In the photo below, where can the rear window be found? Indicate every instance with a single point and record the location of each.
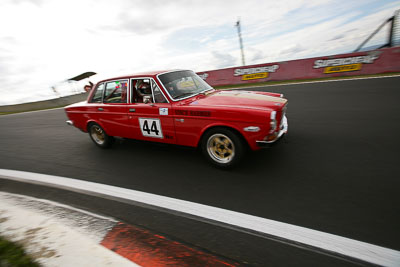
(116, 92)
(98, 94)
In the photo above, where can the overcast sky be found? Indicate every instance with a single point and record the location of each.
(43, 42)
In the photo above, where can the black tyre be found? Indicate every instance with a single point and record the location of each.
(99, 136)
(223, 147)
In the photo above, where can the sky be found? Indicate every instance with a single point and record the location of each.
(45, 42)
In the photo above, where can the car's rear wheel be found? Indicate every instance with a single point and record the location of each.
(222, 147)
(99, 136)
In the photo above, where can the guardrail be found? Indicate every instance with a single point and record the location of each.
(46, 104)
(361, 63)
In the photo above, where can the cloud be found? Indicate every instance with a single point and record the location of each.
(292, 49)
(223, 60)
(5, 63)
(34, 2)
(337, 37)
(257, 55)
(46, 41)
(140, 23)
(10, 40)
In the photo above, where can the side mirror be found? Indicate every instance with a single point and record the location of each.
(146, 99)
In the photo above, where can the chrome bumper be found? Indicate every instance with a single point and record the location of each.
(283, 130)
(69, 122)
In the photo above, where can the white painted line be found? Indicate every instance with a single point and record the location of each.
(323, 81)
(325, 241)
(27, 112)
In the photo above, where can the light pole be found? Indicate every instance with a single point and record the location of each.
(240, 40)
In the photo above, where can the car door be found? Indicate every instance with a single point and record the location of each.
(95, 103)
(150, 113)
(113, 113)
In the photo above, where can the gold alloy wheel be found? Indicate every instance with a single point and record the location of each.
(221, 148)
(97, 134)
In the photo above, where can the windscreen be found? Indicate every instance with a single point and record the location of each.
(181, 84)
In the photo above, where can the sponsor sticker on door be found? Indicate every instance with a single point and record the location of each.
(163, 111)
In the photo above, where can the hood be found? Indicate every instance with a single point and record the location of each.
(240, 99)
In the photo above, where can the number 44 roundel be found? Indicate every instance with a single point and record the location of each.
(151, 127)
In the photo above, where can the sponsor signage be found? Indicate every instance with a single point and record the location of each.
(255, 73)
(193, 113)
(360, 63)
(343, 68)
(344, 64)
(254, 76)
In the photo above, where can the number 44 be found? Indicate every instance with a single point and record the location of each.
(151, 127)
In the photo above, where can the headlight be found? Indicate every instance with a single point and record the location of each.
(273, 122)
(273, 115)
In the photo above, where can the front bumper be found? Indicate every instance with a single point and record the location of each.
(283, 130)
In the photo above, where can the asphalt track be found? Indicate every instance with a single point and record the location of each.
(337, 171)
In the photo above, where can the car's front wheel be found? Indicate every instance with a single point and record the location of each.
(222, 147)
(99, 136)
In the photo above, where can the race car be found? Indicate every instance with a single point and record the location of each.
(178, 107)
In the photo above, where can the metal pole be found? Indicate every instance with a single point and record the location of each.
(395, 30)
(372, 35)
(240, 41)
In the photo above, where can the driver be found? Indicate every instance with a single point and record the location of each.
(143, 89)
(171, 90)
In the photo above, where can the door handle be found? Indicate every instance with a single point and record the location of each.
(100, 109)
(132, 110)
(180, 120)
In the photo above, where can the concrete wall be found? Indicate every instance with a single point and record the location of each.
(46, 104)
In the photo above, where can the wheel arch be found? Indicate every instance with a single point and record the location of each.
(90, 122)
(229, 127)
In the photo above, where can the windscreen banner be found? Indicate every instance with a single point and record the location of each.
(370, 62)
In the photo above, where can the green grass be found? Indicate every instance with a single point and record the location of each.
(243, 85)
(13, 255)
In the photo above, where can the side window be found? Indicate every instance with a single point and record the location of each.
(141, 88)
(158, 96)
(116, 92)
(98, 94)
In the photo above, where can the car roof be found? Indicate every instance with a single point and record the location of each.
(152, 74)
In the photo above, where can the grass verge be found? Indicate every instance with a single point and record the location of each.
(12, 254)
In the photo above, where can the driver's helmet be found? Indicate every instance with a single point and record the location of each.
(144, 89)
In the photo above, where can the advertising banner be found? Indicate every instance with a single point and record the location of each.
(370, 62)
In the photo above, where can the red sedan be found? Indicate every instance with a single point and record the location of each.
(178, 107)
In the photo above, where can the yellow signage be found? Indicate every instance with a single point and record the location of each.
(254, 76)
(343, 68)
